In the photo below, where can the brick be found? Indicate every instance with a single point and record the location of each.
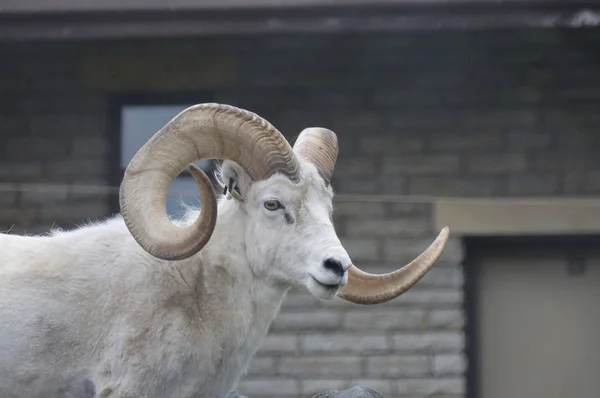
(388, 228)
(86, 190)
(466, 141)
(363, 185)
(570, 117)
(11, 124)
(20, 218)
(481, 96)
(338, 99)
(362, 249)
(90, 145)
(73, 212)
(483, 117)
(273, 387)
(382, 385)
(20, 171)
(405, 319)
(65, 124)
(411, 209)
(262, 366)
(311, 366)
(357, 185)
(7, 197)
(496, 163)
(468, 185)
(423, 164)
(279, 344)
(527, 140)
(356, 166)
(344, 343)
(390, 144)
(44, 194)
(297, 117)
(79, 168)
(355, 121)
(433, 342)
(449, 365)
(393, 185)
(398, 366)
(69, 101)
(356, 209)
(452, 319)
(430, 386)
(307, 320)
(582, 182)
(533, 184)
(576, 138)
(399, 97)
(36, 148)
(424, 118)
(547, 162)
(311, 387)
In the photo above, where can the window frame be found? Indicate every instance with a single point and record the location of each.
(116, 104)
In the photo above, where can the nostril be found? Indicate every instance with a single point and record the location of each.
(334, 265)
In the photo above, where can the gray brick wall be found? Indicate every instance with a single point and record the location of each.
(51, 131)
(459, 114)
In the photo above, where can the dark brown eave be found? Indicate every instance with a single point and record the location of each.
(86, 19)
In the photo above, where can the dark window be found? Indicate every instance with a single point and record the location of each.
(140, 119)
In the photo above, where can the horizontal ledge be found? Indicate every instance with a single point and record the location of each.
(330, 21)
(518, 216)
(37, 7)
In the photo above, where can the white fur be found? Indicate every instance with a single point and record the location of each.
(88, 310)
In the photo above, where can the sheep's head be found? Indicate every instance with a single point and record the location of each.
(284, 192)
(288, 223)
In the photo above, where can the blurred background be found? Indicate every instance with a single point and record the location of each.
(480, 115)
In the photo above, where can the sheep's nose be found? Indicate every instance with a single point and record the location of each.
(335, 266)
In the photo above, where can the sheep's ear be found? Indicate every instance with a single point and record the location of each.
(233, 176)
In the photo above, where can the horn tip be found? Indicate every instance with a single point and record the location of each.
(442, 238)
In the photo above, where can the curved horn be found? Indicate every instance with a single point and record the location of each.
(205, 131)
(365, 288)
(320, 147)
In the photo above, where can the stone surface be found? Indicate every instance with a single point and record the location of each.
(354, 392)
(231, 394)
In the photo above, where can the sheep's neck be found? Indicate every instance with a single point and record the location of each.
(239, 305)
(239, 321)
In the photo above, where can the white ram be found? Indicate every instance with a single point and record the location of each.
(141, 306)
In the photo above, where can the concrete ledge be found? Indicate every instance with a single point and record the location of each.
(518, 216)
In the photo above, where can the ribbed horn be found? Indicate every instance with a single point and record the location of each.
(365, 288)
(320, 147)
(205, 131)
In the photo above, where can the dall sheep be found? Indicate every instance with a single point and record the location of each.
(140, 305)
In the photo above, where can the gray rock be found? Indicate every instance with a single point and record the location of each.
(231, 394)
(354, 392)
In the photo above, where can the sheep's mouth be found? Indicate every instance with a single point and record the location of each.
(326, 285)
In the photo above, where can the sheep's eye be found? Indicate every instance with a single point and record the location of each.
(272, 205)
